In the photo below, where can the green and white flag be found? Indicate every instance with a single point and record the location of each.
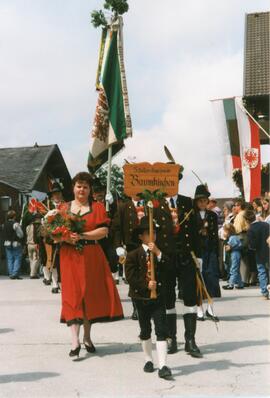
(112, 122)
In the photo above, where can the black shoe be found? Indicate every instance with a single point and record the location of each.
(192, 349)
(172, 346)
(165, 373)
(55, 290)
(76, 352)
(246, 284)
(46, 282)
(239, 287)
(200, 318)
(90, 348)
(125, 281)
(12, 277)
(134, 315)
(34, 277)
(212, 317)
(148, 367)
(227, 287)
(18, 277)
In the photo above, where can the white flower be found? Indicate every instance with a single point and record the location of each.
(51, 213)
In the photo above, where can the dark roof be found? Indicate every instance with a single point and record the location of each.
(22, 167)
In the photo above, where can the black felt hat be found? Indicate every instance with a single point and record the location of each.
(56, 187)
(98, 186)
(143, 226)
(201, 192)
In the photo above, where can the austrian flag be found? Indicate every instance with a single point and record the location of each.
(249, 140)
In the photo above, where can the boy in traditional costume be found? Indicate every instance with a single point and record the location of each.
(138, 274)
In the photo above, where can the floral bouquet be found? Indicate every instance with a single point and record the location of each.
(59, 223)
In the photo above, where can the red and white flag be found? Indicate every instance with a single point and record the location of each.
(250, 153)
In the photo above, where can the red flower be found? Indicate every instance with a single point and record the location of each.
(34, 206)
(155, 203)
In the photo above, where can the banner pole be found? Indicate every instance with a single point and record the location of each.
(109, 175)
(255, 121)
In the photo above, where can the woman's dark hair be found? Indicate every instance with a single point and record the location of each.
(83, 176)
(258, 201)
(266, 213)
(241, 203)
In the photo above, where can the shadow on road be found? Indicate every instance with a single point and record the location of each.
(26, 377)
(215, 365)
(117, 348)
(6, 330)
(232, 346)
(242, 317)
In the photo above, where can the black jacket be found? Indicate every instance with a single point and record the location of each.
(9, 233)
(124, 222)
(184, 241)
(206, 233)
(136, 274)
(257, 234)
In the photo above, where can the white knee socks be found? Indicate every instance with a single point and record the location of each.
(147, 349)
(47, 274)
(200, 311)
(161, 353)
(54, 277)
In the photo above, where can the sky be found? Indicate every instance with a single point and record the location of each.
(178, 56)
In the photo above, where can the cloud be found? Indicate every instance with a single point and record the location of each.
(178, 56)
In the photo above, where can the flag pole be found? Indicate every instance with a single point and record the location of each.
(109, 175)
(255, 121)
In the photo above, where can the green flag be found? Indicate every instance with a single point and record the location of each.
(112, 122)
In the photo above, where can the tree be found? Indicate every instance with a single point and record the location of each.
(117, 179)
(116, 7)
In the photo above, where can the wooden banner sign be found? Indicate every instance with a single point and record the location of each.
(141, 176)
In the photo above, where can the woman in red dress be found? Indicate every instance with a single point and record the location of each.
(88, 291)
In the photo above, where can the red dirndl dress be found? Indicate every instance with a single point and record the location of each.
(86, 278)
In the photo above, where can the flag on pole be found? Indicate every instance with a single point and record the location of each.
(112, 122)
(249, 140)
(226, 122)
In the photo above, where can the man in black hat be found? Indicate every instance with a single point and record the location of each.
(138, 274)
(175, 217)
(207, 247)
(51, 270)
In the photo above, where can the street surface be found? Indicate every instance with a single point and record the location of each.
(34, 349)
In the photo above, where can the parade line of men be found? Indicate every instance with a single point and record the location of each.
(180, 234)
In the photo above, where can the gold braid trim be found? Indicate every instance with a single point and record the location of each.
(186, 217)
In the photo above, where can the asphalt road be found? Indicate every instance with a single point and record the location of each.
(34, 348)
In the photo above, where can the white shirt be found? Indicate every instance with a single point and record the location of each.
(202, 214)
(146, 248)
(174, 199)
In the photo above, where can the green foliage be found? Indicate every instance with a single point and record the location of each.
(155, 196)
(117, 179)
(98, 19)
(117, 7)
